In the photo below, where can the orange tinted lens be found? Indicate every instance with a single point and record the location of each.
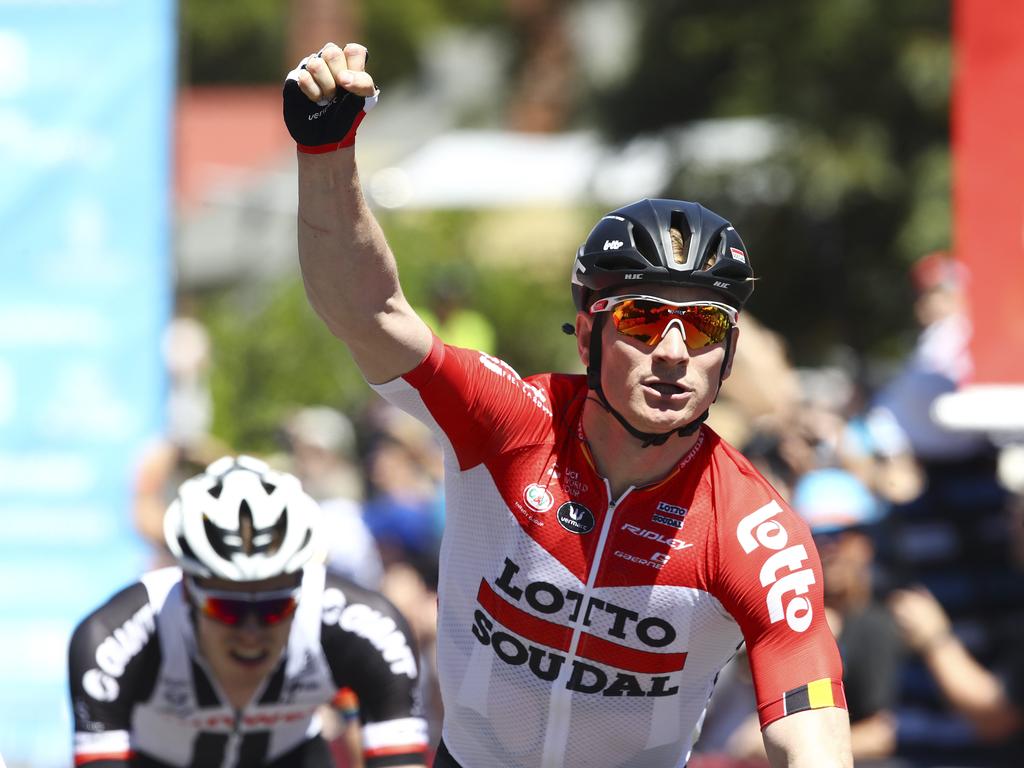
(232, 612)
(641, 320)
(646, 321)
(705, 326)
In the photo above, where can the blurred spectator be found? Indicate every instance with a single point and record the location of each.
(405, 508)
(954, 537)
(764, 389)
(186, 352)
(186, 446)
(162, 468)
(939, 362)
(321, 444)
(843, 514)
(730, 735)
(995, 708)
(452, 320)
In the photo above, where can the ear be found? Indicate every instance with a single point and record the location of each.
(584, 325)
(727, 363)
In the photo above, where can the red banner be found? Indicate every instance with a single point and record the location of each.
(988, 180)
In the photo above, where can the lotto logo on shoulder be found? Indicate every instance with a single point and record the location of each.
(759, 530)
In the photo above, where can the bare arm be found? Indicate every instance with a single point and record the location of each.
(348, 269)
(817, 738)
(971, 689)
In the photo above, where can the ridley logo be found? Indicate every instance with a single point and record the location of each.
(758, 529)
(538, 497)
(575, 518)
(643, 533)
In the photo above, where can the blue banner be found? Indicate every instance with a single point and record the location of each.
(86, 95)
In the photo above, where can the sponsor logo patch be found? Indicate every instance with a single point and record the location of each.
(738, 255)
(673, 522)
(643, 533)
(538, 498)
(671, 509)
(575, 518)
(783, 573)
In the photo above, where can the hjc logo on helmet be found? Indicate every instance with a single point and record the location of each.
(758, 529)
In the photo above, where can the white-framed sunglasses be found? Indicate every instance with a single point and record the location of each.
(646, 318)
(231, 608)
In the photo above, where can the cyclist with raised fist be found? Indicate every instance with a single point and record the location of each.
(605, 552)
(224, 660)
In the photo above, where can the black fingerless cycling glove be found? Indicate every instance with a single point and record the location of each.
(326, 126)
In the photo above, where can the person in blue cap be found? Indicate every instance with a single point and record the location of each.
(843, 515)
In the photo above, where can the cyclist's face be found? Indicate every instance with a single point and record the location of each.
(661, 387)
(250, 649)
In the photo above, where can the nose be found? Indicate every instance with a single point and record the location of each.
(671, 346)
(250, 626)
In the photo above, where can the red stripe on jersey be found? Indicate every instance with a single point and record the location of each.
(615, 655)
(590, 647)
(522, 623)
(94, 756)
(400, 749)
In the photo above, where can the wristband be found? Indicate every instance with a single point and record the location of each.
(327, 125)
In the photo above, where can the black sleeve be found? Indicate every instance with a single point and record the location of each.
(370, 649)
(872, 655)
(113, 659)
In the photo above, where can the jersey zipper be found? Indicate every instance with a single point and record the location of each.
(233, 744)
(234, 741)
(559, 712)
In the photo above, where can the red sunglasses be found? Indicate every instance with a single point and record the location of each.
(231, 608)
(647, 318)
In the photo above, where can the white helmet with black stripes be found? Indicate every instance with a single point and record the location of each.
(243, 521)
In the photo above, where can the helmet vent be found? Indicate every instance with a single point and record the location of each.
(268, 487)
(216, 490)
(245, 528)
(678, 246)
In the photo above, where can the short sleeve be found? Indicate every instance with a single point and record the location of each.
(768, 577)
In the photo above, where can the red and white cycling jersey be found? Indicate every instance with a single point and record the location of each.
(579, 630)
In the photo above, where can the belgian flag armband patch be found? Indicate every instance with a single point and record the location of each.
(816, 694)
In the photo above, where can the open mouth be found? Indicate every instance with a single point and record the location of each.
(249, 658)
(666, 389)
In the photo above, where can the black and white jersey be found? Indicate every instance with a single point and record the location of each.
(141, 693)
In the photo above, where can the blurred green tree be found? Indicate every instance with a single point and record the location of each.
(246, 41)
(859, 184)
(272, 353)
(854, 97)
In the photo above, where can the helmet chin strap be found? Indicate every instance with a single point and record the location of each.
(594, 382)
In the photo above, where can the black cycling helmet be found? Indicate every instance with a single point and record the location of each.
(662, 241)
(669, 242)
